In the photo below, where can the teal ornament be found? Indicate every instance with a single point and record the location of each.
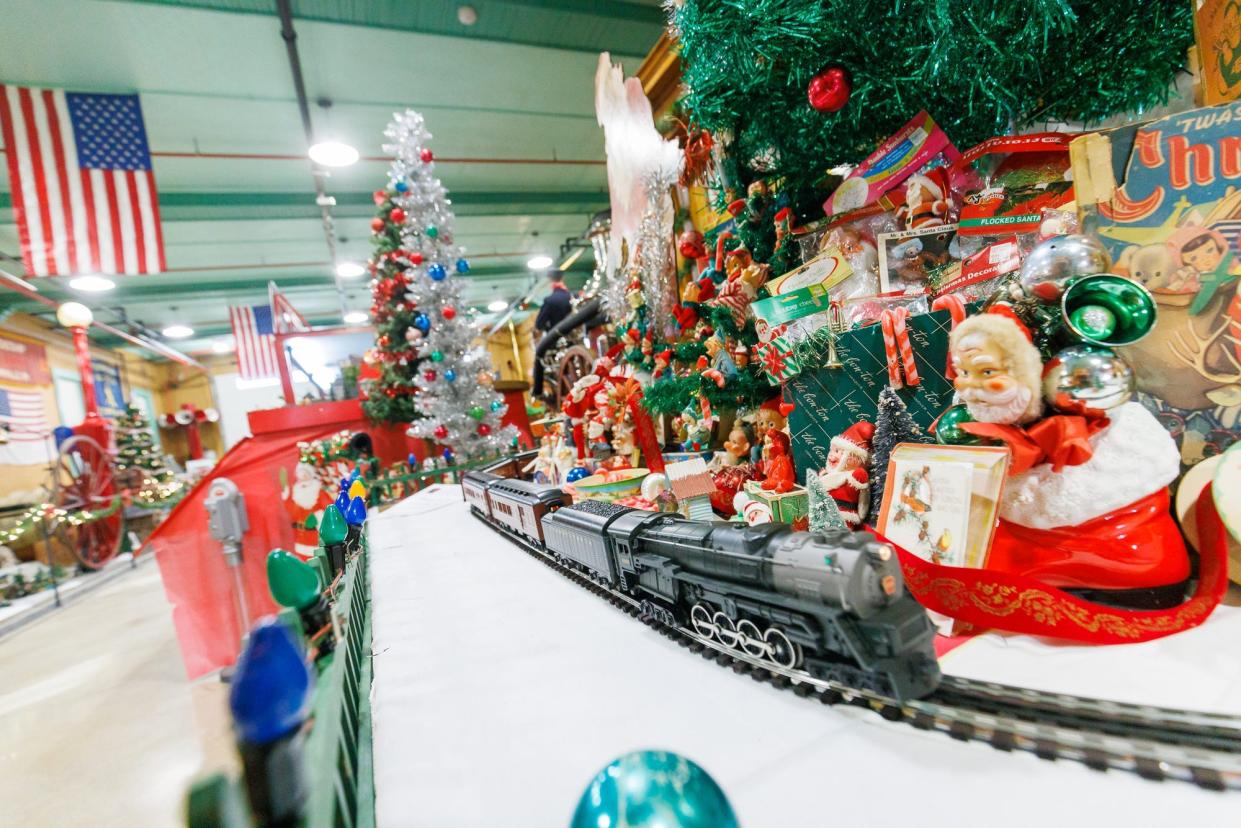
(575, 474)
(400, 186)
(948, 427)
(497, 406)
(463, 266)
(432, 231)
(450, 375)
(437, 356)
(653, 789)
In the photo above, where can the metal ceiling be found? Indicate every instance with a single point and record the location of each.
(509, 101)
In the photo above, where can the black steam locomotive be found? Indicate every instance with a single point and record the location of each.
(832, 604)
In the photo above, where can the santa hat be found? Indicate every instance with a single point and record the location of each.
(855, 440)
(933, 181)
(665, 355)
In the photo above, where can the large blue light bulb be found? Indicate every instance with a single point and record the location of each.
(270, 695)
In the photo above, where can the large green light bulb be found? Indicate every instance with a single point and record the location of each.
(293, 582)
(332, 529)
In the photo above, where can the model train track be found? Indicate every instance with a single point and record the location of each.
(1157, 743)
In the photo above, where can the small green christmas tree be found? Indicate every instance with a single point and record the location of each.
(136, 450)
(893, 425)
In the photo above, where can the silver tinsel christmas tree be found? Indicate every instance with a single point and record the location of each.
(460, 409)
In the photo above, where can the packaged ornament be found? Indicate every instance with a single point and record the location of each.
(1022, 175)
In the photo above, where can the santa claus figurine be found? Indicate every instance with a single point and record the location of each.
(307, 496)
(926, 200)
(845, 477)
(1086, 502)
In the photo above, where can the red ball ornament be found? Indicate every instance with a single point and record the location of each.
(426, 156)
(483, 429)
(379, 196)
(415, 258)
(829, 90)
(429, 376)
(397, 215)
(449, 312)
(377, 224)
(440, 432)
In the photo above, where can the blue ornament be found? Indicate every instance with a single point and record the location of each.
(355, 513)
(61, 433)
(653, 789)
(496, 406)
(437, 272)
(400, 187)
(422, 322)
(270, 695)
(575, 474)
(411, 459)
(463, 266)
(450, 375)
(344, 483)
(447, 455)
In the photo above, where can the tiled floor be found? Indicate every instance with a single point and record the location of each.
(98, 724)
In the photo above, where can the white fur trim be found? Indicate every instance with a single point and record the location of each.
(850, 517)
(1133, 457)
(849, 447)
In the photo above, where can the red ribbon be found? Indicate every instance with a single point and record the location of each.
(1061, 439)
(987, 599)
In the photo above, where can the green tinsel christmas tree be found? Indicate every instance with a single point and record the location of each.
(980, 68)
(893, 425)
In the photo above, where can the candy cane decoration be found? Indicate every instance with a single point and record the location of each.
(897, 348)
(956, 309)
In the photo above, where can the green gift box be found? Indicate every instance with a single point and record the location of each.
(786, 507)
(829, 400)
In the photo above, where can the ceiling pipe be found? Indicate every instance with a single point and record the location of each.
(377, 159)
(285, 9)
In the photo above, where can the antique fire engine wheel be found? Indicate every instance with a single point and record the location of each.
(574, 364)
(83, 478)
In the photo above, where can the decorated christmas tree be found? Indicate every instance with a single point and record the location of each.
(135, 446)
(454, 398)
(893, 425)
(394, 307)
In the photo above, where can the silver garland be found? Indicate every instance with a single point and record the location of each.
(653, 252)
(443, 401)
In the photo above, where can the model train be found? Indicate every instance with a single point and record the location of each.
(830, 603)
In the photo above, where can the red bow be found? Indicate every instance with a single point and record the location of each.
(1061, 439)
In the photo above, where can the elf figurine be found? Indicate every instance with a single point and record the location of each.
(846, 478)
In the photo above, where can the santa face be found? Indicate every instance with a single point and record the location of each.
(840, 460)
(986, 385)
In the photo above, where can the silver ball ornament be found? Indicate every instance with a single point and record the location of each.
(1087, 376)
(1064, 257)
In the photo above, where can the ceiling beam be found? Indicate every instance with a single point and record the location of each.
(625, 29)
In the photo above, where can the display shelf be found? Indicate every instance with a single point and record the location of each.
(501, 687)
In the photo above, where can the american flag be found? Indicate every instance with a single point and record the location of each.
(256, 341)
(83, 191)
(22, 414)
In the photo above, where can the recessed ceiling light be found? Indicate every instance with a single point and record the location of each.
(349, 270)
(91, 283)
(539, 262)
(356, 317)
(467, 15)
(222, 346)
(333, 154)
(497, 306)
(177, 331)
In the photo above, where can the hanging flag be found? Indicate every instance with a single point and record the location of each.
(83, 191)
(25, 432)
(256, 341)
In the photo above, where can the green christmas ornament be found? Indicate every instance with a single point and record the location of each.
(293, 582)
(496, 405)
(1095, 322)
(948, 427)
(312, 522)
(437, 356)
(432, 231)
(332, 529)
(477, 412)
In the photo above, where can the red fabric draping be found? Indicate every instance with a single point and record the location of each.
(1061, 439)
(197, 582)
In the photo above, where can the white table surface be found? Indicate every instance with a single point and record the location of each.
(500, 688)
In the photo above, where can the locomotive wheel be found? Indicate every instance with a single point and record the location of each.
(751, 639)
(725, 629)
(700, 618)
(781, 651)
